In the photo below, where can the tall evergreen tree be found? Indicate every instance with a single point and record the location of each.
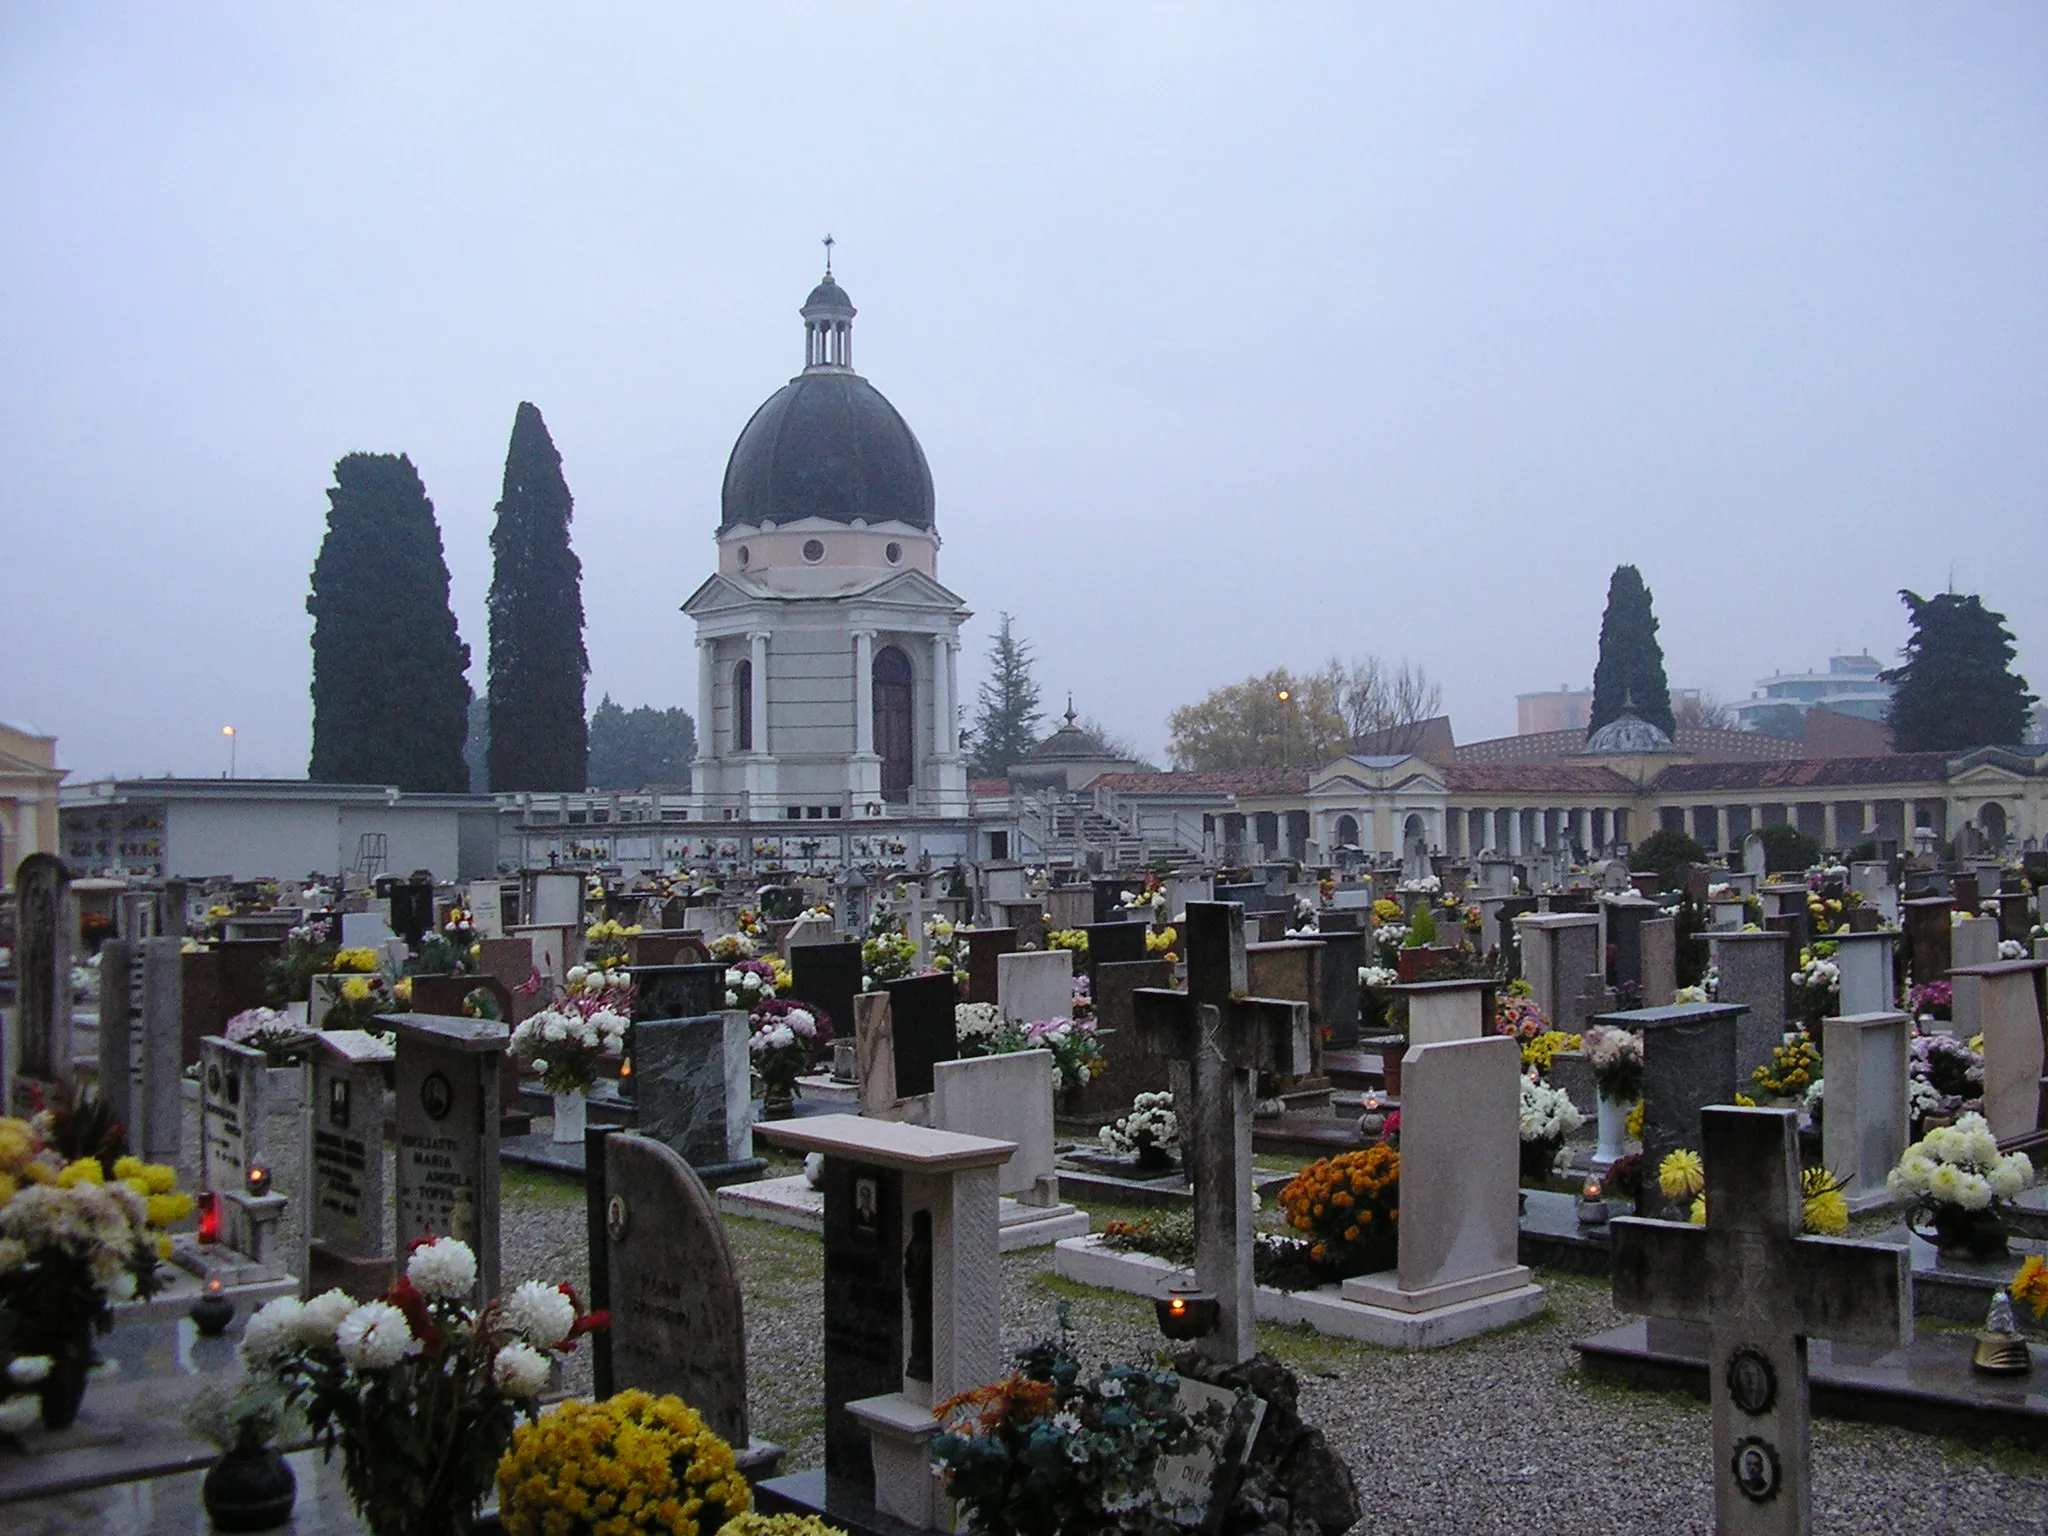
(640, 748)
(539, 739)
(1957, 688)
(1631, 667)
(390, 705)
(1007, 726)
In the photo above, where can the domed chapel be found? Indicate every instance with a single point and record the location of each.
(827, 650)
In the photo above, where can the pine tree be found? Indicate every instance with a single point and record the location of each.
(539, 739)
(1631, 668)
(390, 705)
(1007, 726)
(1957, 688)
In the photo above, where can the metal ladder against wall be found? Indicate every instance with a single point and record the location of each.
(372, 853)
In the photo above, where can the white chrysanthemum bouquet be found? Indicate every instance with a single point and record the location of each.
(1547, 1113)
(1960, 1166)
(421, 1387)
(1150, 1132)
(564, 1043)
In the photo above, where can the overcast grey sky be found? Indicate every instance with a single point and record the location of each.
(1235, 336)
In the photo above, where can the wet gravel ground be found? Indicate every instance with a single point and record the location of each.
(1496, 1435)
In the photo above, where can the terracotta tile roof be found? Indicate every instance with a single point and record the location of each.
(1536, 779)
(1245, 783)
(988, 789)
(1691, 741)
(1807, 773)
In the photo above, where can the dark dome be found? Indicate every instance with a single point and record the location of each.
(828, 295)
(827, 445)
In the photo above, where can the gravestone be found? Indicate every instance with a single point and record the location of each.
(827, 976)
(162, 1050)
(1864, 1119)
(1559, 951)
(1967, 892)
(364, 930)
(678, 1323)
(1344, 953)
(921, 1029)
(1754, 969)
(1460, 1195)
(1973, 941)
(1115, 943)
(1688, 1063)
(1009, 1098)
(1035, 985)
(1625, 918)
(1227, 1038)
(447, 1113)
(347, 1217)
(1865, 962)
(1128, 1068)
(2005, 998)
(511, 962)
(1069, 906)
(690, 1080)
(234, 1128)
(807, 928)
(1927, 925)
(913, 1282)
(677, 991)
(985, 947)
(115, 1064)
(1440, 1012)
(45, 921)
(1657, 952)
(1762, 1290)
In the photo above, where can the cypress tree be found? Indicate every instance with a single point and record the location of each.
(1957, 689)
(390, 705)
(1007, 726)
(1631, 667)
(539, 738)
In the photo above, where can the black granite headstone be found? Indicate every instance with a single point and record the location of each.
(1343, 953)
(412, 911)
(921, 1028)
(984, 947)
(827, 976)
(677, 991)
(1115, 943)
(863, 1305)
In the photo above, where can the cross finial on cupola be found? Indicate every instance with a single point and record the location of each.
(828, 321)
(829, 243)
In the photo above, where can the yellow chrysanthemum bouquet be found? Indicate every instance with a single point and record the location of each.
(632, 1464)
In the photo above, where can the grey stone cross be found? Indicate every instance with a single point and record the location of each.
(1762, 1290)
(1226, 1039)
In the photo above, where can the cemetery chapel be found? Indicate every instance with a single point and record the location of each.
(827, 650)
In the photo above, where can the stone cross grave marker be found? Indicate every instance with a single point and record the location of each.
(447, 1114)
(1762, 1290)
(40, 1053)
(1226, 1039)
(348, 1223)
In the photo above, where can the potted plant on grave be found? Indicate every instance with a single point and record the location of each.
(565, 1042)
(251, 1487)
(1053, 1448)
(1076, 1049)
(1547, 1117)
(73, 1242)
(1150, 1133)
(1348, 1209)
(1616, 1058)
(784, 1039)
(1953, 1181)
(1794, 1065)
(633, 1463)
(420, 1389)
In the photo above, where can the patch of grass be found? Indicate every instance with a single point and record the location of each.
(2007, 1457)
(530, 1186)
(1616, 1395)
(1301, 1347)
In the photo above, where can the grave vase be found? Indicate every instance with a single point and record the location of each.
(1959, 1232)
(249, 1490)
(64, 1388)
(1613, 1122)
(1538, 1158)
(571, 1112)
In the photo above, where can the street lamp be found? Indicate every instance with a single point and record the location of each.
(229, 732)
(1284, 695)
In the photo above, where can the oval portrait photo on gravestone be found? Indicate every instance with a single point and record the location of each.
(1755, 1465)
(1751, 1382)
(437, 1097)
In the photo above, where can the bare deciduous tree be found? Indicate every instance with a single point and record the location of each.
(1388, 704)
(1703, 711)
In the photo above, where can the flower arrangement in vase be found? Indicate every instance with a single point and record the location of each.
(421, 1388)
(281, 1038)
(76, 1236)
(1794, 1064)
(565, 1043)
(1076, 1052)
(1944, 1079)
(1817, 984)
(1547, 1116)
(1823, 1208)
(1150, 1133)
(1953, 1180)
(750, 983)
(784, 1038)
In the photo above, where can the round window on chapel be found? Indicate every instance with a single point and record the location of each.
(745, 556)
(814, 550)
(893, 554)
